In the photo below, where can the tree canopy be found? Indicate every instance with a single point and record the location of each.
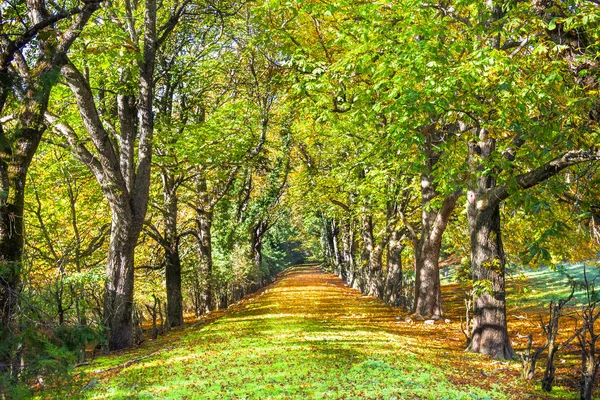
(160, 159)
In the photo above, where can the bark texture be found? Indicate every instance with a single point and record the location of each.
(171, 248)
(204, 225)
(490, 333)
(393, 292)
(428, 297)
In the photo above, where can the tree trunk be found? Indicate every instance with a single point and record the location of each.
(11, 251)
(256, 252)
(375, 283)
(428, 298)
(337, 256)
(14, 164)
(362, 274)
(329, 233)
(171, 248)
(118, 289)
(33, 76)
(589, 371)
(393, 282)
(348, 246)
(173, 282)
(204, 222)
(428, 295)
(490, 333)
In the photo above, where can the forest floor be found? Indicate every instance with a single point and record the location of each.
(310, 336)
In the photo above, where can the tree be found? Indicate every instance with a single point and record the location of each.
(121, 169)
(553, 119)
(34, 43)
(181, 102)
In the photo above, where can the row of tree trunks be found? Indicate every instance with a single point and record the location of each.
(368, 275)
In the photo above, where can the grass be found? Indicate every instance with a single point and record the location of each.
(538, 287)
(308, 336)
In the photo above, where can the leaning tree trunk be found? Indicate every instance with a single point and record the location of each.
(428, 295)
(490, 334)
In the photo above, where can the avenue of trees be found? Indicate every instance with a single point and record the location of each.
(165, 157)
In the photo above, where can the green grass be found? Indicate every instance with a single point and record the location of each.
(299, 340)
(538, 287)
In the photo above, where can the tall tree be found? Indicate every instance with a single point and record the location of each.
(34, 42)
(123, 150)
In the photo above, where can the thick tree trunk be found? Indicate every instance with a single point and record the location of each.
(18, 147)
(428, 295)
(125, 185)
(393, 283)
(118, 289)
(490, 333)
(488, 261)
(171, 248)
(11, 251)
(428, 300)
(14, 164)
(370, 275)
(375, 282)
(173, 283)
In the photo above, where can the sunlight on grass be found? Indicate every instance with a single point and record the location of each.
(309, 336)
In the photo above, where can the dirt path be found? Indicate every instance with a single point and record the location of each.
(309, 336)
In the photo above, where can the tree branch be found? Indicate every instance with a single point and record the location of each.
(544, 172)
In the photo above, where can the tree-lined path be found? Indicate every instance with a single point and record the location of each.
(306, 336)
(162, 159)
